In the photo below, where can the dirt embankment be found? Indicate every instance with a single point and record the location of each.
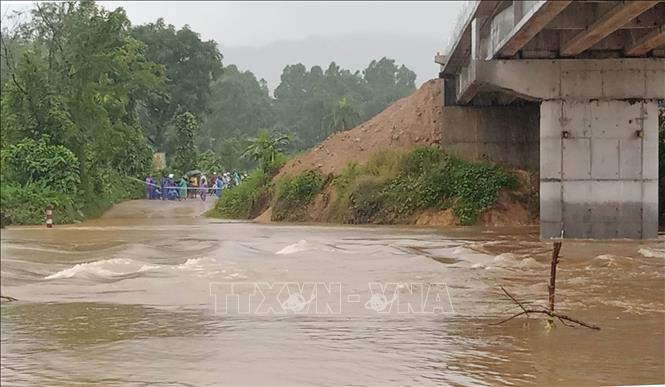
(517, 207)
(411, 122)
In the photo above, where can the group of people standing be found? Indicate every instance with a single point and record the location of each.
(196, 185)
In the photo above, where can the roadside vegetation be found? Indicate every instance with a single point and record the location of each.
(246, 200)
(294, 194)
(72, 78)
(96, 97)
(394, 186)
(250, 198)
(391, 188)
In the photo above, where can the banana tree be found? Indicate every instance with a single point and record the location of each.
(265, 149)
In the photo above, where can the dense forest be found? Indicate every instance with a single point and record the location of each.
(87, 98)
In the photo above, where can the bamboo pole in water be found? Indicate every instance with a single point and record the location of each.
(551, 288)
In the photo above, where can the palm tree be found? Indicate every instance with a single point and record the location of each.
(343, 117)
(266, 148)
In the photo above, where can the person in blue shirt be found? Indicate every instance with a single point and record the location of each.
(172, 191)
(219, 184)
(154, 189)
(165, 184)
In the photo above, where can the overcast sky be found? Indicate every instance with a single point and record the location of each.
(256, 24)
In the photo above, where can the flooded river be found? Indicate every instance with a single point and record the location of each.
(153, 294)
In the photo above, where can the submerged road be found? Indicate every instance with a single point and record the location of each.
(155, 294)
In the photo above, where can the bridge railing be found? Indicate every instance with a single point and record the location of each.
(463, 19)
(501, 23)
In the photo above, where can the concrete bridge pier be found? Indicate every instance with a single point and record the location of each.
(599, 168)
(597, 71)
(598, 139)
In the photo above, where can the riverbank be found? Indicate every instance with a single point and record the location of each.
(388, 170)
(425, 187)
(146, 212)
(27, 205)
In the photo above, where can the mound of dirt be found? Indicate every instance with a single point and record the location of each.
(413, 121)
(410, 122)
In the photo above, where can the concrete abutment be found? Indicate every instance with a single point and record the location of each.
(503, 135)
(598, 135)
(599, 169)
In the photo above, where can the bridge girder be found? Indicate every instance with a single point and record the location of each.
(551, 29)
(622, 13)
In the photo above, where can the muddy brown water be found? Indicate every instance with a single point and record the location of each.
(140, 297)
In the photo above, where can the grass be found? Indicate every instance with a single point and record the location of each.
(26, 204)
(243, 201)
(391, 188)
(295, 193)
(395, 184)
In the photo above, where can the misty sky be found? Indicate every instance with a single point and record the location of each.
(259, 23)
(250, 25)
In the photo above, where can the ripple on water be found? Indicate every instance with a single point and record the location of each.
(118, 269)
(94, 343)
(652, 252)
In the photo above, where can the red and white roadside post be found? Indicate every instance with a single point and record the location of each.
(49, 216)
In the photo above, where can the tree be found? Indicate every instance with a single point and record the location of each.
(240, 106)
(36, 162)
(308, 103)
(230, 150)
(386, 83)
(265, 149)
(191, 66)
(186, 129)
(209, 162)
(344, 116)
(79, 82)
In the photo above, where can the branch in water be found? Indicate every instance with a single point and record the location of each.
(517, 302)
(548, 312)
(551, 314)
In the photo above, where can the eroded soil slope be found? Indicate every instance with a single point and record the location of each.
(410, 122)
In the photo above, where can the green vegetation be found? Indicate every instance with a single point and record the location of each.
(72, 80)
(240, 107)
(343, 117)
(250, 198)
(27, 204)
(267, 150)
(294, 194)
(35, 174)
(314, 104)
(309, 104)
(394, 185)
(209, 161)
(31, 162)
(390, 189)
(96, 97)
(247, 200)
(190, 65)
(185, 154)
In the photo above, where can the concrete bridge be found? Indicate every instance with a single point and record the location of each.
(575, 85)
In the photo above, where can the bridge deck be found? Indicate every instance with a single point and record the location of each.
(550, 29)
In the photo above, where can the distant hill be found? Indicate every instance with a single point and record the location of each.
(352, 52)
